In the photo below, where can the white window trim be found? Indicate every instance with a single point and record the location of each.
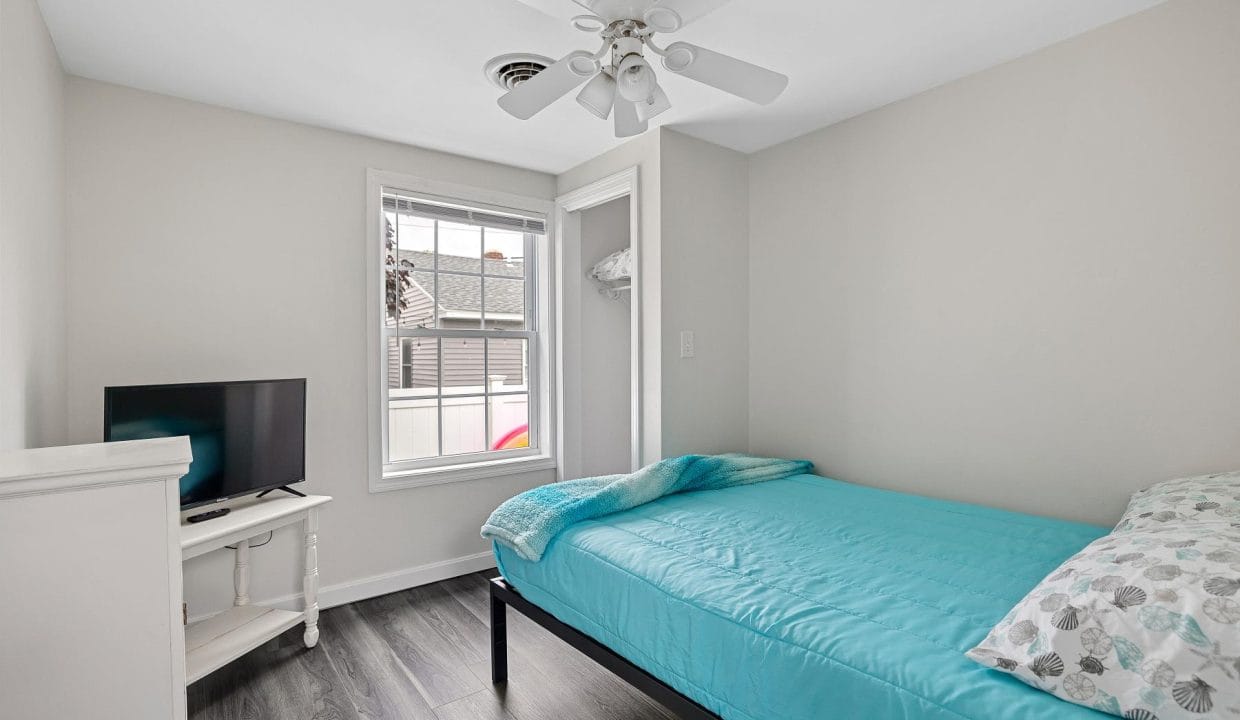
(542, 400)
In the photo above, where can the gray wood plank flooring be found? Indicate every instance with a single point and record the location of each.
(421, 654)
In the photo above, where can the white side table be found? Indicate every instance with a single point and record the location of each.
(222, 638)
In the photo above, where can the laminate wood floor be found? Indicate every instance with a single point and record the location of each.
(420, 654)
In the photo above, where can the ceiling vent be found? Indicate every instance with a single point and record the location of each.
(508, 71)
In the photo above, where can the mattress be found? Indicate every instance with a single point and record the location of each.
(808, 598)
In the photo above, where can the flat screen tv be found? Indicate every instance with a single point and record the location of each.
(246, 437)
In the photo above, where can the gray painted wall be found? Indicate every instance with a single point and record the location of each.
(694, 221)
(32, 235)
(212, 244)
(1019, 289)
(644, 153)
(704, 257)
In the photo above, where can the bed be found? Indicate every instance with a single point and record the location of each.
(799, 598)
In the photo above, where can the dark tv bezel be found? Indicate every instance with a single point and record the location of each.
(107, 426)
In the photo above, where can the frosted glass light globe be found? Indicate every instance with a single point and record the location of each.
(635, 80)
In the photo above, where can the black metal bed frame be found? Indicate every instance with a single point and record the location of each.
(503, 595)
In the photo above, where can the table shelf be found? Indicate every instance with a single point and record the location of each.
(212, 643)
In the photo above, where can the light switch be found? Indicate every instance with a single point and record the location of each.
(687, 347)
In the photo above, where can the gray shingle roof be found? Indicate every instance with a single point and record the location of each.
(463, 293)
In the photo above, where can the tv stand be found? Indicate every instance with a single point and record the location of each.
(285, 488)
(219, 639)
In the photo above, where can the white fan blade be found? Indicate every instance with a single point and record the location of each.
(627, 122)
(690, 10)
(527, 99)
(563, 9)
(611, 10)
(742, 79)
(554, 8)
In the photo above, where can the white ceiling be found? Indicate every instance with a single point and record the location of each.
(410, 70)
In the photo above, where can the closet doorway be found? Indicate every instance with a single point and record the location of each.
(598, 323)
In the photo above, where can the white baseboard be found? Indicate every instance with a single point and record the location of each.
(362, 588)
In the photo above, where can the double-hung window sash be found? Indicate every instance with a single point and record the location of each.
(460, 332)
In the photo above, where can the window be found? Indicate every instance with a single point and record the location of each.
(461, 385)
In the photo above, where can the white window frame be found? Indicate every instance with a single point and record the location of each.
(539, 307)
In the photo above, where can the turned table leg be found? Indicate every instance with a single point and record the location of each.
(241, 574)
(310, 583)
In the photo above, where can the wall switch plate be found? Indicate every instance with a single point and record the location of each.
(687, 346)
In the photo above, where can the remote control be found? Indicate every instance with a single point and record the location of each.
(208, 515)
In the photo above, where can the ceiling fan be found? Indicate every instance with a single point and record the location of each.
(620, 78)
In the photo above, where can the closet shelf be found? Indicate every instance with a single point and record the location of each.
(615, 289)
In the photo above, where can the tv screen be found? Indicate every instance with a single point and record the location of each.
(246, 436)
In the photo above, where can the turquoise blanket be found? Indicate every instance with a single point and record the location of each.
(529, 521)
(809, 599)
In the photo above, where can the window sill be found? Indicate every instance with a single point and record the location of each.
(460, 473)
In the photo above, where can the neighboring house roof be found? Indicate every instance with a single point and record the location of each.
(463, 294)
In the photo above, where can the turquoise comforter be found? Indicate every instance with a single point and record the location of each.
(528, 522)
(808, 598)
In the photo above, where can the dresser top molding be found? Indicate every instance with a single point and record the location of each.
(77, 467)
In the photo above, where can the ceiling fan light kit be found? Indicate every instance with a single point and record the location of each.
(598, 95)
(621, 81)
(656, 104)
(628, 124)
(634, 79)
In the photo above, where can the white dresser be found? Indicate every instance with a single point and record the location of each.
(90, 581)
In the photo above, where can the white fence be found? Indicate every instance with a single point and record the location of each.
(413, 428)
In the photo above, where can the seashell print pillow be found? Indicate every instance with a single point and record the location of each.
(1210, 499)
(1144, 624)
